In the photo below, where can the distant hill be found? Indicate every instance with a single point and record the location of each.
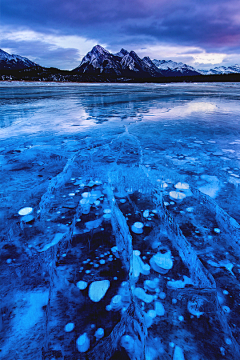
(234, 69)
(172, 68)
(14, 62)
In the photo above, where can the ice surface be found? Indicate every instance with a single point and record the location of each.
(124, 149)
(56, 239)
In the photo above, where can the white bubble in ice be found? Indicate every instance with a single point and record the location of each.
(162, 261)
(226, 309)
(141, 295)
(159, 308)
(177, 195)
(25, 211)
(228, 341)
(82, 284)
(107, 211)
(162, 295)
(152, 313)
(83, 343)
(137, 227)
(146, 213)
(69, 327)
(181, 186)
(99, 333)
(98, 289)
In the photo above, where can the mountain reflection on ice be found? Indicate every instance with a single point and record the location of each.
(98, 162)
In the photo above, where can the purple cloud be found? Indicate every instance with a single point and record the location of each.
(44, 54)
(213, 25)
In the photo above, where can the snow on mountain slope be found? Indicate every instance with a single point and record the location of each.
(122, 53)
(128, 62)
(124, 64)
(133, 62)
(169, 67)
(234, 69)
(14, 62)
(96, 56)
(153, 69)
(99, 61)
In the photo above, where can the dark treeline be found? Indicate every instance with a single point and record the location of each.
(56, 75)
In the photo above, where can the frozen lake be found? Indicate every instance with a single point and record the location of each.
(164, 156)
(190, 129)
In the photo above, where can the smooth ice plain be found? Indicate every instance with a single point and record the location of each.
(120, 212)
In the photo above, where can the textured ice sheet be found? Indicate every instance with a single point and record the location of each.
(132, 143)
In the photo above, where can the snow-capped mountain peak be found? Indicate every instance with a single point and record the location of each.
(98, 49)
(5, 56)
(101, 61)
(96, 56)
(122, 53)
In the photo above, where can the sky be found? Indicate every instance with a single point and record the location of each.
(201, 33)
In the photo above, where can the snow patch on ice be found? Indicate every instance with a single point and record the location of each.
(212, 186)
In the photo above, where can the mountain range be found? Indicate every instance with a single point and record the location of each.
(100, 64)
(234, 69)
(126, 64)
